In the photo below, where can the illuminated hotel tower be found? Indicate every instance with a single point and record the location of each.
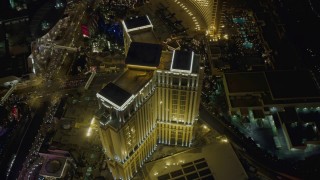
(210, 12)
(156, 100)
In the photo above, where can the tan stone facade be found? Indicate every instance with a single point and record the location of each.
(163, 112)
(161, 105)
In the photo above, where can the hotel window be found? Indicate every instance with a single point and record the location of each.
(184, 82)
(181, 117)
(179, 140)
(173, 136)
(132, 167)
(175, 81)
(174, 101)
(174, 94)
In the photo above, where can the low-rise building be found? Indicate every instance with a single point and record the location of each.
(290, 100)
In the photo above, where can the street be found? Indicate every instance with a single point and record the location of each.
(21, 148)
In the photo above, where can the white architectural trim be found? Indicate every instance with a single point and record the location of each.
(119, 108)
(180, 70)
(137, 28)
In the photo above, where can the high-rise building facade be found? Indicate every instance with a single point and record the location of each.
(211, 12)
(155, 101)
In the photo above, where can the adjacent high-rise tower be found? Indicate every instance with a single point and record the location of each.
(211, 12)
(156, 100)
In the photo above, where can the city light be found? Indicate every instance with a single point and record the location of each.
(89, 131)
(158, 105)
(225, 140)
(92, 121)
(190, 13)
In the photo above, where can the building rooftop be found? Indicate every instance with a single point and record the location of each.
(166, 61)
(182, 61)
(115, 94)
(196, 63)
(55, 163)
(289, 115)
(270, 88)
(144, 54)
(300, 127)
(294, 133)
(245, 101)
(258, 113)
(246, 82)
(292, 84)
(144, 36)
(312, 116)
(301, 134)
(136, 22)
(133, 80)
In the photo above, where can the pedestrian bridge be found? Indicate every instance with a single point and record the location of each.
(5, 97)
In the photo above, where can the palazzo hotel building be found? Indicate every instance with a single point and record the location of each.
(154, 101)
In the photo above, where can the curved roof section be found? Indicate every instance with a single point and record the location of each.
(53, 166)
(204, 8)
